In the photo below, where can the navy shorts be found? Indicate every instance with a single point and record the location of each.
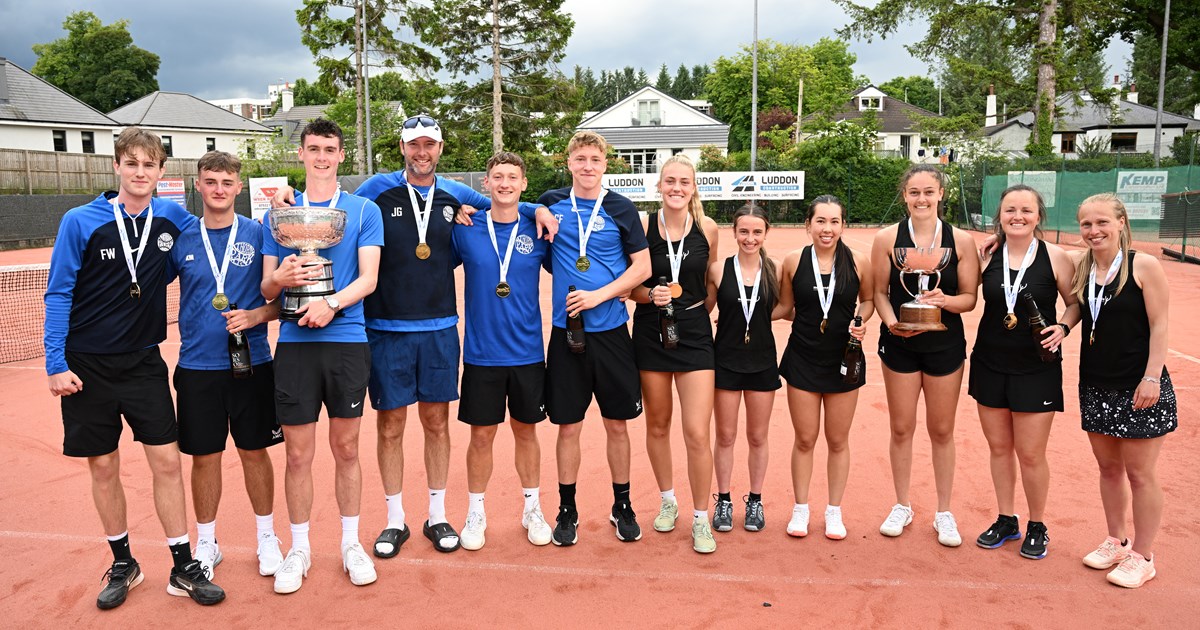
(134, 385)
(410, 367)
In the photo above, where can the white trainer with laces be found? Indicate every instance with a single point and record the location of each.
(834, 528)
(209, 555)
(472, 537)
(798, 526)
(897, 520)
(358, 565)
(947, 529)
(292, 572)
(534, 521)
(270, 556)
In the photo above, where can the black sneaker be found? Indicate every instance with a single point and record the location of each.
(722, 515)
(566, 527)
(192, 581)
(625, 521)
(1005, 528)
(1036, 541)
(755, 522)
(122, 576)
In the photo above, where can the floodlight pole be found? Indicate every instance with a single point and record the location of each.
(1162, 80)
(366, 52)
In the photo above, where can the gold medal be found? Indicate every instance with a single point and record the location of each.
(422, 251)
(746, 339)
(676, 290)
(824, 323)
(503, 290)
(220, 301)
(1010, 321)
(135, 291)
(582, 263)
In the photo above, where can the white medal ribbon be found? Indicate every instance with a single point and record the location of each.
(923, 283)
(512, 240)
(673, 257)
(219, 273)
(747, 304)
(332, 202)
(1096, 298)
(421, 216)
(824, 294)
(1011, 289)
(130, 261)
(584, 235)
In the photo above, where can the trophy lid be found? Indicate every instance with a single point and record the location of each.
(307, 228)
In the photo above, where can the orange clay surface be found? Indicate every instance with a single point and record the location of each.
(53, 554)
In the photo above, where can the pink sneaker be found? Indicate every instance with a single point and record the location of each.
(1110, 553)
(1133, 571)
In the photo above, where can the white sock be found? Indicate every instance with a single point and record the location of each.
(349, 530)
(437, 506)
(118, 536)
(475, 503)
(833, 509)
(395, 509)
(265, 524)
(207, 531)
(178, 540)
(801, 508)
(667, 495)
(300, 536)
(700, 515)
(532, 498)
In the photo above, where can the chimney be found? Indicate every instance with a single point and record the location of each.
(286, 94)
(990, 112)
(1132, 97)
(1196, 112)
(3, 80)
(1116, 85)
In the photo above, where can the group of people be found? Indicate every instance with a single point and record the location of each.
(387, 332)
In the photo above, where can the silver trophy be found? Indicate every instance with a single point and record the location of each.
(308, 229)
(924, 263)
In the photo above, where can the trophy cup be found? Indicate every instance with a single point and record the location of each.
(307, 229)
(922, 262)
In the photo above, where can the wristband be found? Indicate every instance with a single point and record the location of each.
(1150, 379)
(1066, 330)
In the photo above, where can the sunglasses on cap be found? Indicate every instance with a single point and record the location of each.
(420, 120)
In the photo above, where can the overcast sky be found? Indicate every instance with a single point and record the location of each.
(234, 48)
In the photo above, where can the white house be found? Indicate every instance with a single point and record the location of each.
(898, 135)
(189, 127)
(648, 127)
(291, 119)
(36, 116)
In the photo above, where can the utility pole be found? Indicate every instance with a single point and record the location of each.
(1162, 80)
(366, 51)
(754, 96)
(799, 109)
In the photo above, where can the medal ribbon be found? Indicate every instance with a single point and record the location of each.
(1096, 298)
(219, 273)
(130, 261)
(673, 257)
(584, 235)
(1011, 289)
(747, 304)
(512, 240)
(824, 295)
(421, 216)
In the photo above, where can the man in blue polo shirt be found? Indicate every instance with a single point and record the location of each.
(503, 358)
(601, 250)
(323, 358)
(106, 313)
(220, 269)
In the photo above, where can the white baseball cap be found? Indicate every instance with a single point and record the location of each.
(421, 126)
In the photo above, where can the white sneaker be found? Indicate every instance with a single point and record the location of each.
(269, 555)
(539, 530)
(798, 526)
(356, 563)
(895, 523)
(209, 555)
(834, 528)
(472, 534)
(947, 529)
(292, 572)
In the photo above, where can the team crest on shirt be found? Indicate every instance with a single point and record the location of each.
(524, 244)
(598, 223)
(448, 213)
(242, 254)
(165, 242)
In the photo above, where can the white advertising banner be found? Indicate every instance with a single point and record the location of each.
(261, 191)
(1141, 192)
(758, 185)
(1045, 182)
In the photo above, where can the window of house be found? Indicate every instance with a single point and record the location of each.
(60, 140)
(210, 144)
(89, 141)
(250, 150)
(1068, 142)
(166, 140)
(1124, 142)
(649, 113)
(640, 160)
(866, 103)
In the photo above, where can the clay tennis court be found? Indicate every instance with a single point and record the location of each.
(52, 552)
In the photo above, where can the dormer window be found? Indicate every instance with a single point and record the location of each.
(870, 102)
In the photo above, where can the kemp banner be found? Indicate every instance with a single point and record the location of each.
(1142, 192)
(757, 185)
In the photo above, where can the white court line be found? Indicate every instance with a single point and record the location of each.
(1186, 357)
(22, 367)
(678, 576)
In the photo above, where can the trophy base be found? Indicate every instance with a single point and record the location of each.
(918, 317)
(293, 303)
(917, 326)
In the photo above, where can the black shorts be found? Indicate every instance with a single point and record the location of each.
(1022, 393)
(607, 369)
(213, 405)
(820, 379)
(695, 349)
(486, 387)
(310, 374)
(764, 381)
(134, 385)
(898, 358)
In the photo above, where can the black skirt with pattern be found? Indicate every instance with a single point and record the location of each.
(1110, 412)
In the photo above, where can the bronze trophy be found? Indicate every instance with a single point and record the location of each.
(923, 262)
(307, 229)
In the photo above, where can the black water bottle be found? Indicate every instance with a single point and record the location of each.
(239, 353)
(852, 359)
(666, 321)
(575, 337)
(1037, 324)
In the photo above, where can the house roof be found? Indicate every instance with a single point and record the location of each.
(638, 94)
(895, 117)
(176, 109)
(1082, 113)
(25, 97)
(293, 120)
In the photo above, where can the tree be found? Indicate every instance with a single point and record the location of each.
(663, 81)
(1182, 90)
(518, 41)
(97, 63)
(915, 90)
